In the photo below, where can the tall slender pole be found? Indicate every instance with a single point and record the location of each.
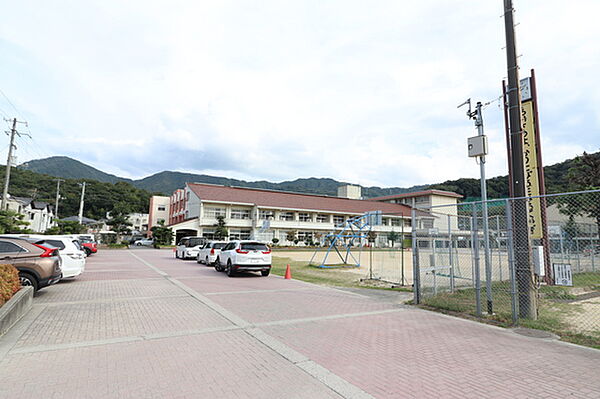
(484, 209)
(13, 132)
(81, 203)
(57, 197)
(524, 275)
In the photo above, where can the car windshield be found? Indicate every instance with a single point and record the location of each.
(219, 245)
(254, 246)
(77, 244)
(195, 241)
(56, 243)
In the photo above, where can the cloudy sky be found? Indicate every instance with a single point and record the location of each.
(364, 92)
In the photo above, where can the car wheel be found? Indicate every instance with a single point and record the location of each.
(88, 251)
(176, 254)
(27, 280)
(230, 271)
(265, 273)
(218, 265)
(198, 259)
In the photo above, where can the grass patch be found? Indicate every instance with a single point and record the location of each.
(329, 277)
(555, 312)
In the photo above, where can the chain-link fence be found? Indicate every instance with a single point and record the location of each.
(533, 261)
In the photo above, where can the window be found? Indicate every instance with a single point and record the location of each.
(240, 214)
(159, 220)
(7, 247)
(322, 218)
(305, 217)
(396, 222)
(229, 246)
(253, 246)
(195, 241)
(209, 234)
(337, 220)
(218, 245)
(266, 215)
(239, 234)
(305, 235)
(162, 208)
(427, 223)
(56, 243)
(212, 212)
(287, 216)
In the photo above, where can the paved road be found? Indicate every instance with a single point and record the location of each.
(141, 324)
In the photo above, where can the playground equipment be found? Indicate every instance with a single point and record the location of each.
(353, 229)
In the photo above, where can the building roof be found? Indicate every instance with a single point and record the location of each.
(84, 220)
(418, 194)
(290, 200)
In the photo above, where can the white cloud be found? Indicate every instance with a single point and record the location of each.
(280, 90)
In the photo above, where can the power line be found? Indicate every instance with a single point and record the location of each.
(11, 104)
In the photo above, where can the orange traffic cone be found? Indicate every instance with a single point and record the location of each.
(288, 272)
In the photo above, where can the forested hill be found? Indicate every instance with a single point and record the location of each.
(497, 187)
(100, 197)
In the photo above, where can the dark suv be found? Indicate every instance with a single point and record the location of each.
(38, 263)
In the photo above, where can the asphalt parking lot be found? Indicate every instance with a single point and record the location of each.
(141, 324)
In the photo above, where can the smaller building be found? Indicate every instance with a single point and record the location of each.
(38, 214)
(139, 223)
(159, 211)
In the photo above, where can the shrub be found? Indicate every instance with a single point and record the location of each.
(9, 282)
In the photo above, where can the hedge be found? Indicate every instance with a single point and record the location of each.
(9, 282)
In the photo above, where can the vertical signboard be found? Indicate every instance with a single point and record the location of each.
(530, 161)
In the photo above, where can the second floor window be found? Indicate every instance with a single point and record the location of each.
(337, 220)
(304, 217)
(287, 216)
(161, 208)
(266, 215)
(211, 212)
(240, 213)
(323, 218)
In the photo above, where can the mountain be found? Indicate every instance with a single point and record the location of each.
(167, 181)
(69, 168)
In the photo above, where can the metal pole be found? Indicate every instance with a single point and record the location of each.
(511, 262)
(592, 249)
(476, 258)
(524, 274)
(486, 233)
(57, 197)
(81, 203)
(402, 251)
(450, 260)
(498, 246)
(416, 271)
(11, 146)
(578, 255)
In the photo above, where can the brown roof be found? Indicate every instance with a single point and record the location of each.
(283, 199)
(417, 194)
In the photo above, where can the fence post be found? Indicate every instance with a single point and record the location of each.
(450, 253)
(416, 269)
(592, 249)
(578, 255)
(476, 258)
(511, 262)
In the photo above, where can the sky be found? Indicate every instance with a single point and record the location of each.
(362, 92)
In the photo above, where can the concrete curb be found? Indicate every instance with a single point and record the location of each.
(16, 307)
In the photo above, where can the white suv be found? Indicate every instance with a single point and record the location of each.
(189, 247)
(244, 255)
(209, 253)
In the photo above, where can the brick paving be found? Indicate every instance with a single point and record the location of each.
(142, 324)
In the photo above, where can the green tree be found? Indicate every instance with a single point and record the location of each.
(393, 237)
(162, 235)
(221, 231)
(66, 227)
(371, 236)
(118, 219)
(275, 241)
(11, 222)
(584, 174)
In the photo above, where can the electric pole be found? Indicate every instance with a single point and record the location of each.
(523, 272)
(81, 203)
(9, 159)
(57, 196)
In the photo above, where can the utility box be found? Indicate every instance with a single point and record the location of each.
(477, 146)
(539, 266)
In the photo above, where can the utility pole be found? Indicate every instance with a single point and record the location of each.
(523, 272)
(11, 147)
(81, 203)
(477, 116)
(57, 196)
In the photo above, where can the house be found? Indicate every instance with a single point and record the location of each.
(159, 211)
(38, 214)
(268, 214)
(139, 222)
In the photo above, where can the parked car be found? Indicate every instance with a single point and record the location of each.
(209, 253)
(189, 247)
(148, 242)
(69, 249)
(245, 255)
(38, 263)
(89, 245)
